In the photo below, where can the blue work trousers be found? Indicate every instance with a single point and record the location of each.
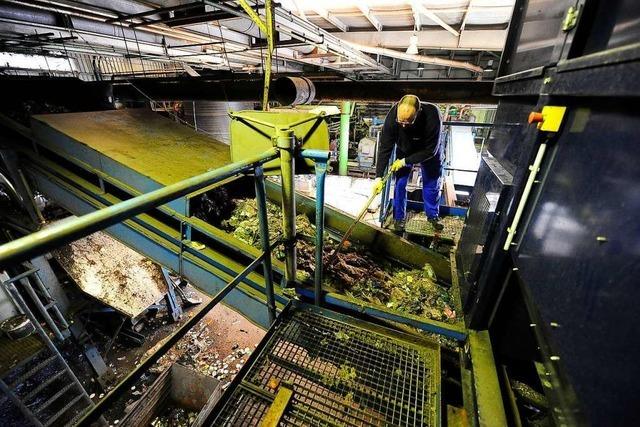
(431, 186)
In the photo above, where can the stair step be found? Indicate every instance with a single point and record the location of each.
(53, 398)
(22, 363)
(62, 411)
(32, 371)
(42, 386)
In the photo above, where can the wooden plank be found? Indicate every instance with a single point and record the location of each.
(449, 191)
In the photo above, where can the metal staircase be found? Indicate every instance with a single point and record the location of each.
(36, 378)
(41, 299)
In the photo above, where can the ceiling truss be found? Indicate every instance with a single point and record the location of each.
(217, 33)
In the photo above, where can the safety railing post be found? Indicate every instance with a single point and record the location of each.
(321, 173)
(261, 198)
(320, 159)
(285, 141)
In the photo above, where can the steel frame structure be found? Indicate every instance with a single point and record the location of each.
(61, 233)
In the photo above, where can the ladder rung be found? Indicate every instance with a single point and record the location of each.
(21, 275)
(32, 371)
(53, 398)
(62, 411)
(41, 387)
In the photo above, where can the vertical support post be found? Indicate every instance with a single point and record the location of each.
(321, 173)
(343, 149)
(261, 198)
(285, 141)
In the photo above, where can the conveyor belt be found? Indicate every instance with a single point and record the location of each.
(343, 372)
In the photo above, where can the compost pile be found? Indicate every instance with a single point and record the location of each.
(355, 271)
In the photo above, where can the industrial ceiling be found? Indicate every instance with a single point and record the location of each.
(361, 39)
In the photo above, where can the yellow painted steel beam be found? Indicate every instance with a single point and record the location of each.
(270, 47)
(268, 28)
(253, 15)
(278, 407)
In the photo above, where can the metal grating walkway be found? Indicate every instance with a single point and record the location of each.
(417, 224)
(343, 372)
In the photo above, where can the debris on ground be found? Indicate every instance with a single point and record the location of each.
(195, 350)
(174, 416)
(341, 336)
(356, 272)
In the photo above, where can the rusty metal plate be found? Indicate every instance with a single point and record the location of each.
(112, 273)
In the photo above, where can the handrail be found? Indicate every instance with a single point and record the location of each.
(68, 231)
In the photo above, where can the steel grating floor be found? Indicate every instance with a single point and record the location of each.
(418, 224)
(344, 372)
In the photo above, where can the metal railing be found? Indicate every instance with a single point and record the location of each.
(67, 231)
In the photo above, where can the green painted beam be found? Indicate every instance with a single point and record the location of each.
(343, 156)
(489, 400)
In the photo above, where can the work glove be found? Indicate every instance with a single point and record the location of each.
(377, 186)
(397, 165)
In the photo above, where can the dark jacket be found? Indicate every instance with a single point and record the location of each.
(415, 143)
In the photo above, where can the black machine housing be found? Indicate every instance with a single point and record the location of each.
(560, 302)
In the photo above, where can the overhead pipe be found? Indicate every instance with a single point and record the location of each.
(441, 91)
(291, 90)
(421, 59)
(285, 90)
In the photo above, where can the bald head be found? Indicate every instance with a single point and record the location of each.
(408, 110)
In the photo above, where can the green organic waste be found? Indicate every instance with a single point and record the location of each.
(341, 336)
(356, 272)
(345, 376)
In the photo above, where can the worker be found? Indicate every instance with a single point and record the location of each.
(413, 128)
